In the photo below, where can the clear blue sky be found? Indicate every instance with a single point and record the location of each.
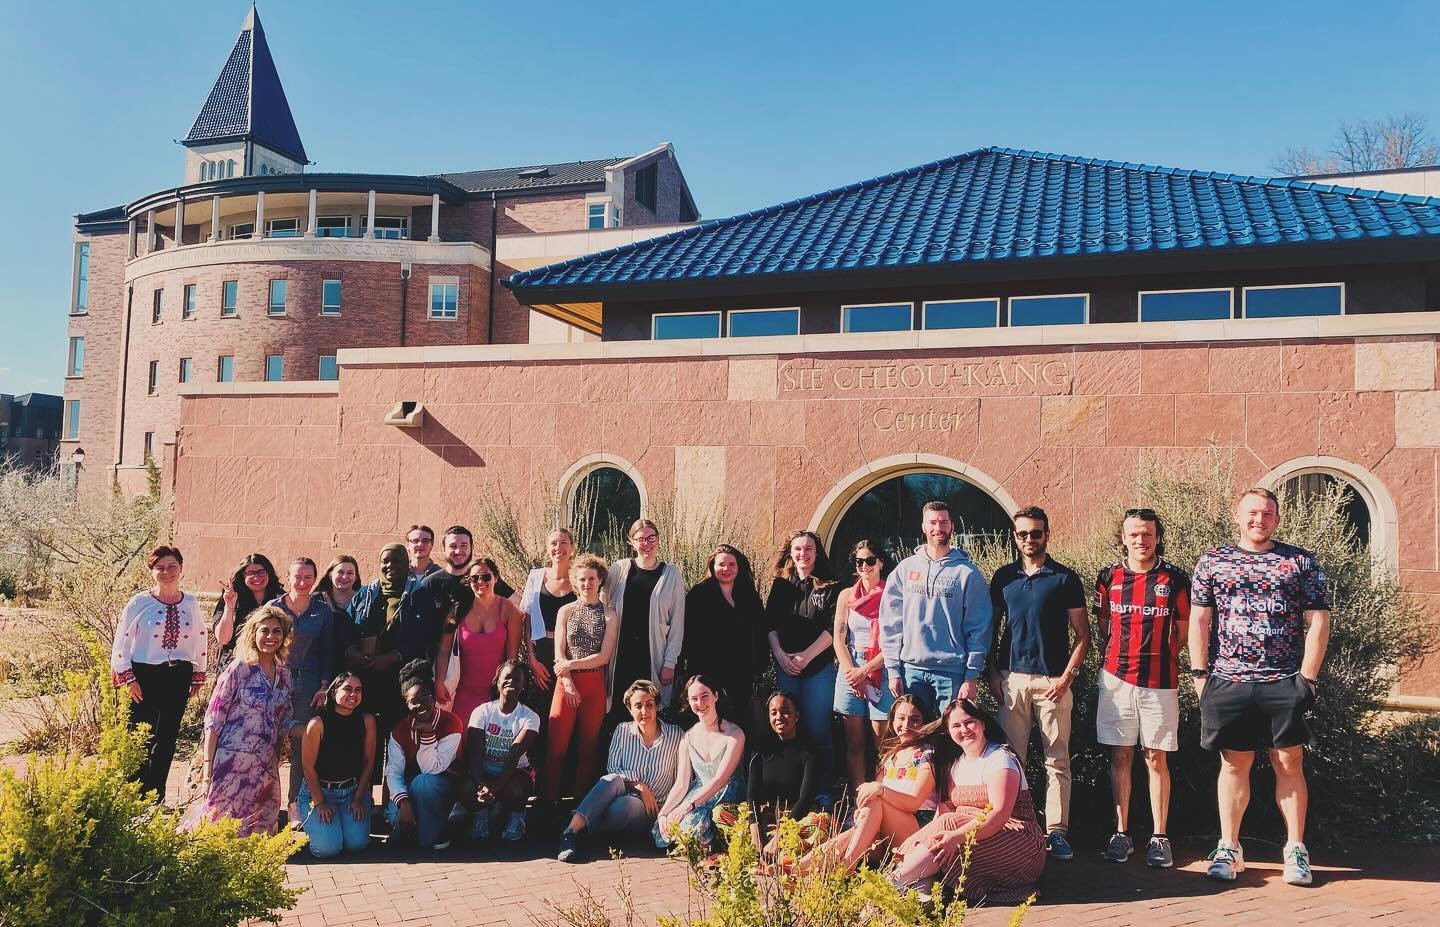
(763, 101)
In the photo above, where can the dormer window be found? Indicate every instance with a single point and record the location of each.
(534, 173)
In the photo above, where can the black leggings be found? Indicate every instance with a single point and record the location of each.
(164, 690)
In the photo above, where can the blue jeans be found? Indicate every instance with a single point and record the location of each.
(430, 799)
(343, 832)
(933, 688)
(815, 696)
(611, 808)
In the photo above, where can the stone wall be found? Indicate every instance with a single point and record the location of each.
(779, 437)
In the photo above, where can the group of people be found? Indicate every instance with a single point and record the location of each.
(468, 699)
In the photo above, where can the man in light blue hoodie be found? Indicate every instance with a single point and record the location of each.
(936, 619)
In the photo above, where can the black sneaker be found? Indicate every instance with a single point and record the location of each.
(569, 847)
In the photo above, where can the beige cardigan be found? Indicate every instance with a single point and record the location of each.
(667, 621)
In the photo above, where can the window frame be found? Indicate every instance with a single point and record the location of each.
(284, 297)
(325, 307)
(233, 309)
(590, 215)
(280, 358)
(231, 233)
(334, 367)
(727, 330)
(187, 369)
(75, 359)
(1140, 302)
(72, 420)
(80, 292)
(719, 323)
(1245, 298)
(845, 308)
(926, 304)
(152, 383)
(1010, 309)
(189, 300)
(403, 228)
(157, 306)
(445, 283)
(147, 447)
(325, 231)
(272, 231)
(221, 374)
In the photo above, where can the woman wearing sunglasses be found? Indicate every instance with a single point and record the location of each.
(860, 687)
(479, 636)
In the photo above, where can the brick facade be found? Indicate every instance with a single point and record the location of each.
(98, 387)
(560, 212)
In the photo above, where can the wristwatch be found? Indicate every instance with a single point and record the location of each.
(1201, 673)
(1074, 673)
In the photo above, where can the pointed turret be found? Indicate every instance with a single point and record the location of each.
(247, 106)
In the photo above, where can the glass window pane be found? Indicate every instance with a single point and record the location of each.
(77, 356)
(274, 367)
(1047, 310)
(328, 369)
(72, 418)
(687, 325)
(1182, 307)
(277, 297)
(185, 369)
(889, 515)
(893, 318)
(230, 290)
(330, 296)
(1280, 302)
(596, 216)
(225, 371)
(605, 504)
(969, 313)
(82, 278)
(769, 322)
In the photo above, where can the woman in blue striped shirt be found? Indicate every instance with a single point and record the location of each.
(640, 770)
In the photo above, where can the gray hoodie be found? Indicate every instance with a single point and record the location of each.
(936, 615)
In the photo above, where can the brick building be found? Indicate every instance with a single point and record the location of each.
(30, 429)
(254, 269)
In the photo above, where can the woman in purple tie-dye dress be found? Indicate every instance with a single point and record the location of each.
(247, 724)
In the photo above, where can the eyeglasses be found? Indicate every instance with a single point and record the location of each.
(1034, 534)
(646, 538)
(481, 578)
(256, 574)
(866, 561)
(1146, 514)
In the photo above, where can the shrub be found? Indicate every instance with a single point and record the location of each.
(1369, 776)
(79, 845)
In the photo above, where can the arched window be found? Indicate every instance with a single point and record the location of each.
(889, 513)
(230, 168)
(1312, 485)
(604, 503)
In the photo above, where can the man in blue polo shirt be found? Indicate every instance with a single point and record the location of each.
(1037, 602)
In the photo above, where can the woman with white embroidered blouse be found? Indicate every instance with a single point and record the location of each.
(159, 656)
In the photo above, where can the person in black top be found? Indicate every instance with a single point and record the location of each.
(648, 596)
(781, 782)
(253, 584)
(724, 636)
(337, 755)
(800, 614)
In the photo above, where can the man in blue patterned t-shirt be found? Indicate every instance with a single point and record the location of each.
(1259, 625)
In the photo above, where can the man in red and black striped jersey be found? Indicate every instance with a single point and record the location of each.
(1142, 605)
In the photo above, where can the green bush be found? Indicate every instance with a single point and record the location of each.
(80, 846)
(1371, 776)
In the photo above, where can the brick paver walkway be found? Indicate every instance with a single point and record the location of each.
(502, 885)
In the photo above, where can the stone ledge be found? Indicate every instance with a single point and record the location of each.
(264, 388)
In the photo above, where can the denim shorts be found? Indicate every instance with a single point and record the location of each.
(848, 703)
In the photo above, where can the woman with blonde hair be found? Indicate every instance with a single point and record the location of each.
(247, 723)
(648, 596)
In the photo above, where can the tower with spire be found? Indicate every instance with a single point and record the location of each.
(245, 127)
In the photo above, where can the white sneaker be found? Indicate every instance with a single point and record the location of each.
(1226, 862)
(1297, 865)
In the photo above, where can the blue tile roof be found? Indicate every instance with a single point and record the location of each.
(1001, 204)
(248, 99)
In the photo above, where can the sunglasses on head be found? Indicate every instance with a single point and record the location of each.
(866, 561)
(481, 577)
(1034, 534)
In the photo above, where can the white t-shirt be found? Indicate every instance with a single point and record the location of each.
(968, 772)
(501, 731)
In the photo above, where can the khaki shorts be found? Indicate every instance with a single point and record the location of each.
(1129, 714)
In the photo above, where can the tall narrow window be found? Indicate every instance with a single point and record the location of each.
(274, 367)
(229, 296)
(82, 279)
(187, 309)
(187, 369)
(595, 216)
(277, 297)
(444, 300)
(157, 305)
(646, 182)
(225, 368)
(154, 381)
(328, 369)
(330, 297)
(76, 367)
(149, 446)
(72, 419)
